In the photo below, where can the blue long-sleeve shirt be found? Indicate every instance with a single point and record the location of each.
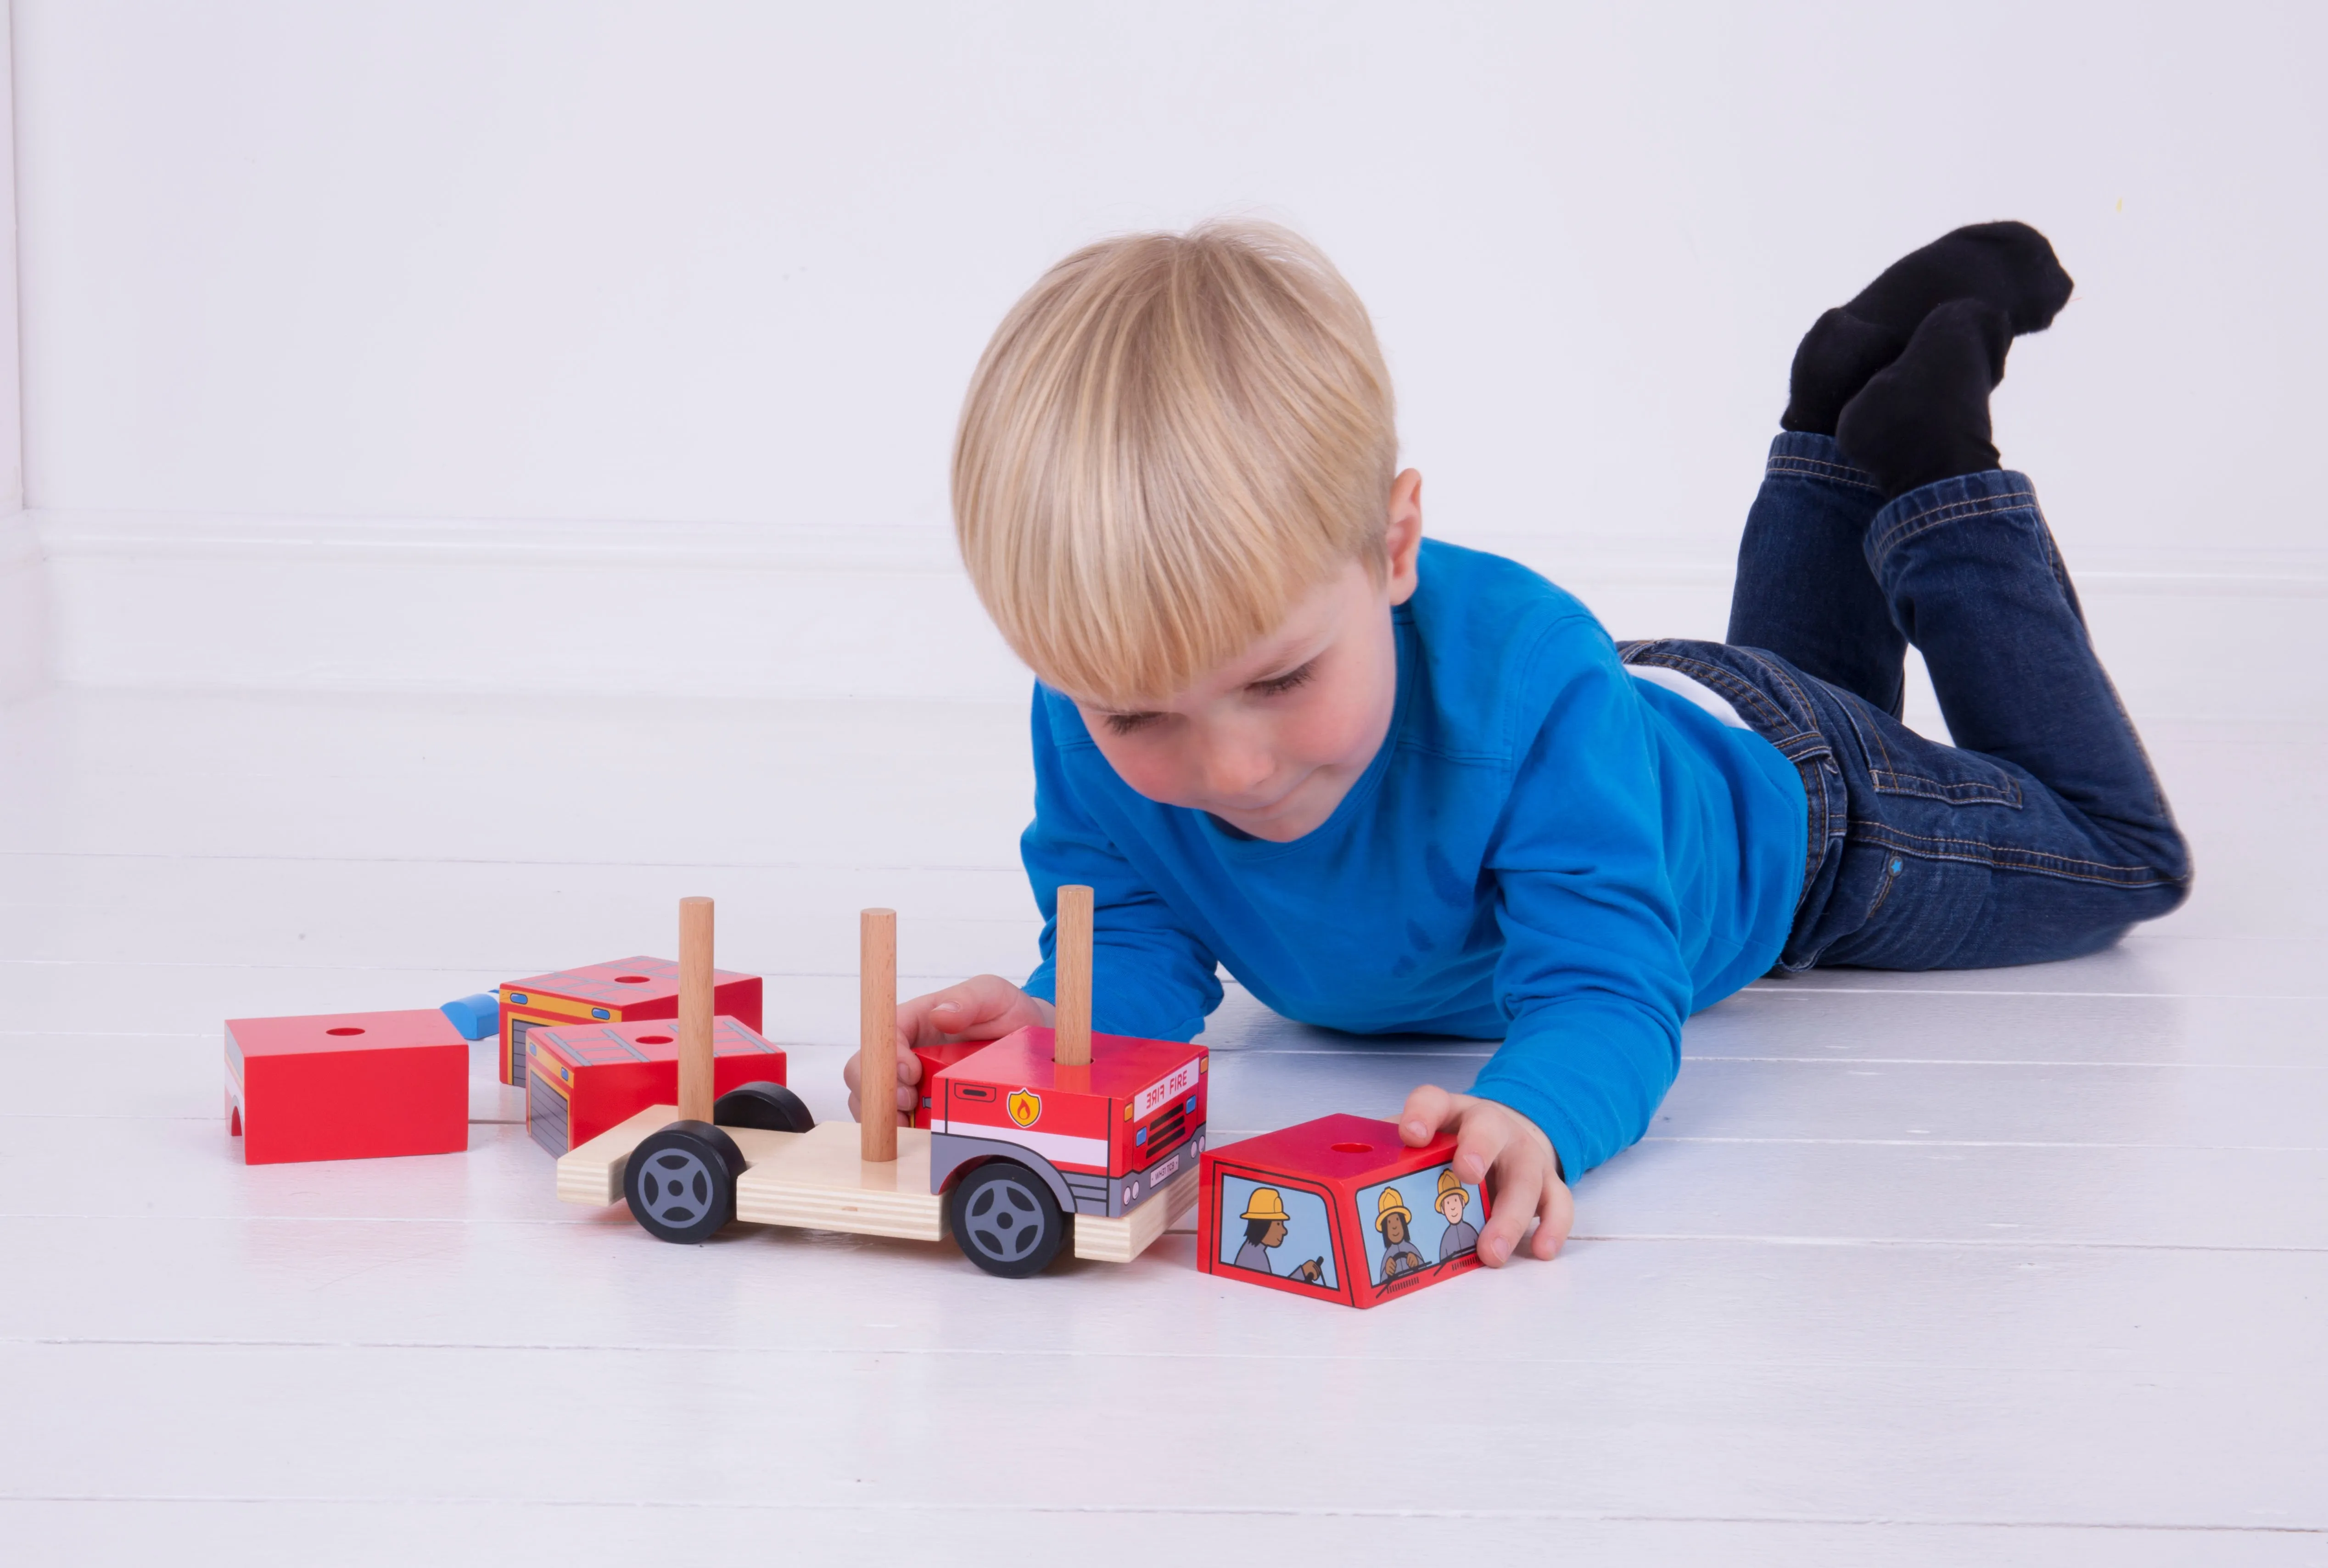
(1546, 850)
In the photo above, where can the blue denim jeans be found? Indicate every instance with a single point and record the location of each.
(2040, 834)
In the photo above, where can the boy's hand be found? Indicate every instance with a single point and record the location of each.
(1497, 1149)
(985, 1007)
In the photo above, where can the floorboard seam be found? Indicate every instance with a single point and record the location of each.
(1228, 1510)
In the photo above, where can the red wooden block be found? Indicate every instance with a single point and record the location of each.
(621, 990)
(935, 1059)
(584, 1078)
(347, 1086)
(1337, 1209)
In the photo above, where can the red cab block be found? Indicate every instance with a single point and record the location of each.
(1109, 1135)
(582, 1079)
(1339, 1210)
(621, 990)
(347, 1086)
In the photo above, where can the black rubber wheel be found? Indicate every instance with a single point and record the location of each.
(1005, 1220)
(681, 1183)
(771, 1107)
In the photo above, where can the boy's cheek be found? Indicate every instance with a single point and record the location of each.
(1148, 768)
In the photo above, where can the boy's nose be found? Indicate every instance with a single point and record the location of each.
(1234, 774)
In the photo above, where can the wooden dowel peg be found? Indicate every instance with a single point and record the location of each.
(876, 1041)
(695, 1009)
(1071, 953)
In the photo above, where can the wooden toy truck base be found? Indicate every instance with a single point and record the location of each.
(816, 1180)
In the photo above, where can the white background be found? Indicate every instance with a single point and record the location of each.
(382, 361)
(580, 347)
(733, 262)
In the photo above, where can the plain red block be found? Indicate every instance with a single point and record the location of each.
(347, 1086)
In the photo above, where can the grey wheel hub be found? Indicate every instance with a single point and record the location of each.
(676, 1188)
(1005, 1222)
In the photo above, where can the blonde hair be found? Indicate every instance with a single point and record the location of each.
(1171, 439)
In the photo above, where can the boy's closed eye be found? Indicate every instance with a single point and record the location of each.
(1279, 685)
(1274, 686)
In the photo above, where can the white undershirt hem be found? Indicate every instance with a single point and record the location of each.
(1704, 696)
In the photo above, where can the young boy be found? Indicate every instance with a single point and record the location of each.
(1392, 785)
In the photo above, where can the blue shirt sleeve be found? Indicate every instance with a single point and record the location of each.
(1592, 975)
(1150, 977)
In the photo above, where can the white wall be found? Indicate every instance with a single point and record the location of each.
(25, 651)
(730, 263)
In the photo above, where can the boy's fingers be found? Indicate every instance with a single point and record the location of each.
(982, 999)
(1554, 1214)
(966, 1009)
(1515, 1205)
(926, 1020)
(1479, 1145)
(1427, 1111)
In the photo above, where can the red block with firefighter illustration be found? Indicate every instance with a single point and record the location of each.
(1337, 1209)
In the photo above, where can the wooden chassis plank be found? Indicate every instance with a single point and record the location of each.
(1119, 1241)
(819, 1180)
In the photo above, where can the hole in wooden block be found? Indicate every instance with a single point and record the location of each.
(655, 1039)
(343, 1030)
(630, 980)
(1353, 1148)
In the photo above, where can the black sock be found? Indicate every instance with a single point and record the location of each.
(2008, 266)
(1925, 415)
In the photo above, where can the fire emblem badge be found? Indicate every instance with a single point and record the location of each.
(1025, 1106)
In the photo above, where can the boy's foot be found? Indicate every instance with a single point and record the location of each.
(1925, 415)
(2008, 266)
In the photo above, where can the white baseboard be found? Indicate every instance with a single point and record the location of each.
(524, 609)
(186, 600)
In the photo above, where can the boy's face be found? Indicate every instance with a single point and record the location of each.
(1272, 741)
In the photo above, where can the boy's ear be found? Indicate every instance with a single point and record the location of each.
(1404, 537)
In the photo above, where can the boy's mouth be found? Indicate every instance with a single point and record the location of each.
(1275, 805)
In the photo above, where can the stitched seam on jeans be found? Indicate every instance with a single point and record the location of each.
(1856, 478)
(1870, 742)
(1965, 792)
(2130, 884)
(1778, 674)
(1973, 852)
(1815, 827)
(1972, 506)
(1878, 830)
(1946, 512)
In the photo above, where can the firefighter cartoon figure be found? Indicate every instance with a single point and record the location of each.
(1265, 1224)
(1460, 1236)
(1400, 1254)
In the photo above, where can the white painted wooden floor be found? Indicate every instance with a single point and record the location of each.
(2008, 1267)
